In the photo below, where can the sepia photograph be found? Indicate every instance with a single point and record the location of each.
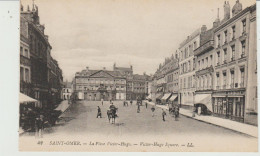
(138, 76)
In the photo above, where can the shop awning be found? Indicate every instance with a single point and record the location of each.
(166, 96)
(24, 98)
(173, 97)
(204, 99)
(159, 96)
(63, 106)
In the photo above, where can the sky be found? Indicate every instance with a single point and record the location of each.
(141, 33)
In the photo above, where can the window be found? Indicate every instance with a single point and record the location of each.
(21, 74)
(232, 73)
(225, 32)
(243, 43)
(244, 26)
(233, 32)
(224, 79)
(184, 82)
(26, 53)
(199, 64)
(194, 64)
(21, 50)
(180, 83)
(225, 55)
(210, 60)
(233, 52)
(189, 67)
(218, 59)
(202, 63)
(206, 62)
(27, 75)
(242, 78)
(218, 83)
(218, 40)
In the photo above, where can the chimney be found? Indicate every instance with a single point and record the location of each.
(131, 67)
(203, 28)
(87, 68)
(104, 68)
(216, 23)
(144, 73)
(226, 10)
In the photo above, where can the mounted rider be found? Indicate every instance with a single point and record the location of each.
(113, 108)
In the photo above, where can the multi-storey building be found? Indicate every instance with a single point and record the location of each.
(36, 61)
(25, 62)
(235, 87)
(204, 69)
(100, 84)
(67, 91)
(187, 65)
(160, 83)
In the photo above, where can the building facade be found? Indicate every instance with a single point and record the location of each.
(187, 65)
(204, 70)
(235, 90)
(36, 80)
(25, 62)
(95, 85)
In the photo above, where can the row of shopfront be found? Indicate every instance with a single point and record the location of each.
(228, 104)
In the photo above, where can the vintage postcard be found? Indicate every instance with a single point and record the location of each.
(138, 76)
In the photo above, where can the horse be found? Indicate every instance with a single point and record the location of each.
(111, 113)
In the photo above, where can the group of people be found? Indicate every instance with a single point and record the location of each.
(32, 121)
(174, 110)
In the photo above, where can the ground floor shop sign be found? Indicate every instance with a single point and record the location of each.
(229, 104)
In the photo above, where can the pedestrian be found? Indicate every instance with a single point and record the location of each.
(176, 114)
(39, 126)
(131, 102)
(124, 103)
(138, 108)
(102, 101)
(99, 112)
(153, 109)
(163, 114)
(146, 105)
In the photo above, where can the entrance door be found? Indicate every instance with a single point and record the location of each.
(230, 107)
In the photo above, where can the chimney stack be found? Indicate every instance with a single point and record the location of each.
(226, 10)
(203, 28)
(104, 68)
(87, 68)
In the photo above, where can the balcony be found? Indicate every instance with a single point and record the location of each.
(224, 86)
(217, 87)
(204, 48)
(205, 70)
(232, 85)
(225, 61)
(243, 55)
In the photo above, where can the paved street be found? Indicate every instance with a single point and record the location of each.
(83, 124)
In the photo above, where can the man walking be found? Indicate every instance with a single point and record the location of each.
(102, 101)
(138, 108)
(99, 112)
(153, 109)
(146, 105)
(163, 114)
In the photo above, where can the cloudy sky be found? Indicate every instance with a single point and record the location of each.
(129, 32)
